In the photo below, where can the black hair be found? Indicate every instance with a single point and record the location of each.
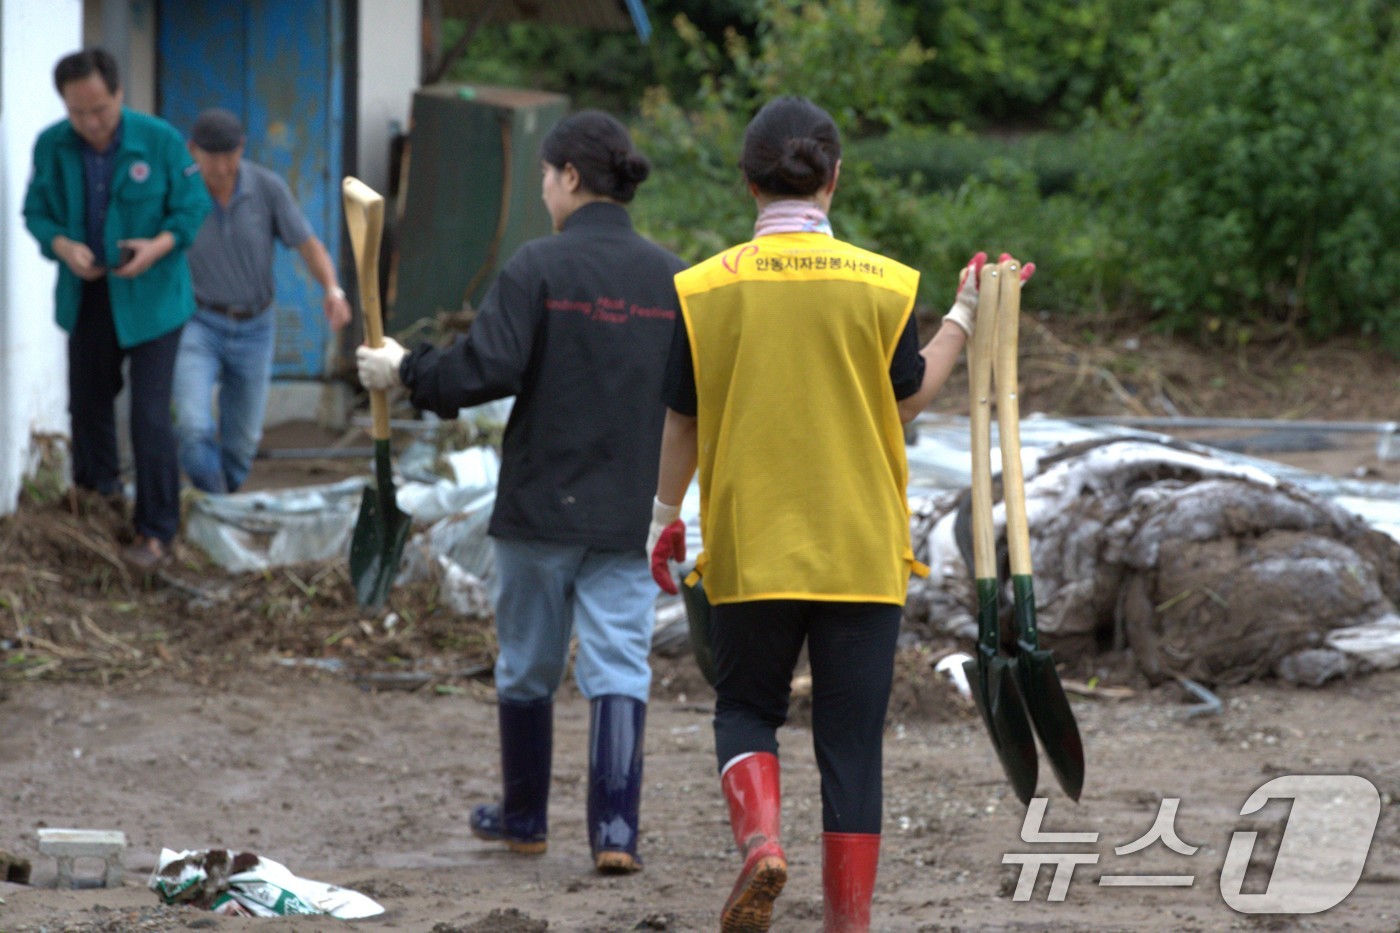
(791, 147)
(598, 147)
(79, 65)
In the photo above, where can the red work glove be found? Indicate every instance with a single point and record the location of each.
(1027, 269)
(665, 542)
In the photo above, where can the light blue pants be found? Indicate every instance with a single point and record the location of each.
(237, 355)
(545, 593)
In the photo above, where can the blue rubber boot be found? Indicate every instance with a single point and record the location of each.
(527, 745)
(616, 732)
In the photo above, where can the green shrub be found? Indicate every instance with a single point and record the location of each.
(984, 195)
(844, 54)
(927, 159)
(1079, 263)
(1041, 63)
(1262, 180)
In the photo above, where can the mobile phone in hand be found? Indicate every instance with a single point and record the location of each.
(125, 255)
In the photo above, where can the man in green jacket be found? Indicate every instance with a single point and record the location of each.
(116, 199)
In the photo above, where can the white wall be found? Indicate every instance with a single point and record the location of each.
(390, 56)
(34, 34)
(127, 29)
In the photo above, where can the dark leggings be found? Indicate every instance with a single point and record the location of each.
(851, 650)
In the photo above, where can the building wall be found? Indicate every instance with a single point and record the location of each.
(127, 29)
(390, 61)
(34, 34)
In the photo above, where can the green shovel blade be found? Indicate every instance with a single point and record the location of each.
(999, 700)
(697, 616)
(1045, 697)
(381, 531)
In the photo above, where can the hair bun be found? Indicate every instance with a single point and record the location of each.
(804, 165)
(630, 166)
(598, 146)
(791, 148)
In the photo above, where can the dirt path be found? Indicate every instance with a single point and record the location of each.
(371, 790)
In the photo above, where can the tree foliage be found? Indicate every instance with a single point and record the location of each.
(1261, 180)
(1032, 63)
(698, 203)
(1214, 166)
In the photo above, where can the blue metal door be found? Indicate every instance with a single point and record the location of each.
(278, 65)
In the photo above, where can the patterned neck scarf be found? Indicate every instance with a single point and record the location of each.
(791, 216)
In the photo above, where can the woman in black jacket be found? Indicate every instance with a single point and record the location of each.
(577, 328)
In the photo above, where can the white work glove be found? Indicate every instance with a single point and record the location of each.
(379, 369)
(965, 306)
(665, 543)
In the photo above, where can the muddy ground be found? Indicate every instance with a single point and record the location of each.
(200, 713)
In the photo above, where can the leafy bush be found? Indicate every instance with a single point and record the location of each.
(927, 159)
(1262, 183)
(1080, 265)
(697, 202)
(1042, 63)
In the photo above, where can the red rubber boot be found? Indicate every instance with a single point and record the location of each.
(849, 861)
(754, 792)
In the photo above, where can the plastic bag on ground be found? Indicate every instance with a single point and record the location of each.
(245, 884)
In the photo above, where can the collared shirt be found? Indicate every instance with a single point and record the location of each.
(231, 259)
(97, 189)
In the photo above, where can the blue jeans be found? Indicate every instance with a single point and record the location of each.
(545, 592)
(237, 355)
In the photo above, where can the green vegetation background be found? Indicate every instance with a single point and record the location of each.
(1226, 171)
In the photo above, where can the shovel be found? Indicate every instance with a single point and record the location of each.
(381, 529)
(697, 617)
(1040, 685)
(993, 674)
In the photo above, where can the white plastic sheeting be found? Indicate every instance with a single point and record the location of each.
(255, 531)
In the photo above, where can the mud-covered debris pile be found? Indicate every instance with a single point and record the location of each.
(1196, 567)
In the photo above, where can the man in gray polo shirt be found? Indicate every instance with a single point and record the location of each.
(229, 341)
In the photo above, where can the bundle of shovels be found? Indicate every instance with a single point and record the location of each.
(1013, 679)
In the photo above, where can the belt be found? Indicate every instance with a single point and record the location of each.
(237, 312)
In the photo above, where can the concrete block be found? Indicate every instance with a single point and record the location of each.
(65, 845)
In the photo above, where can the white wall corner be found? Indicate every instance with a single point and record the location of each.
(33, 357)
(386, 81)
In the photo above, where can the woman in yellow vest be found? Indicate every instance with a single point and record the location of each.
(788, 385)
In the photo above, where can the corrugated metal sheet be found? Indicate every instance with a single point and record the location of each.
(581, 14)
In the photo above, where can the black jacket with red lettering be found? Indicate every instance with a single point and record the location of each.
(577, 327)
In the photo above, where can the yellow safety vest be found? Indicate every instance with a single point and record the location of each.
(801, 451)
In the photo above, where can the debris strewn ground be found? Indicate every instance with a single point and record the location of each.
(267, 712)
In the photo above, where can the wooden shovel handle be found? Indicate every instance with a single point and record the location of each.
(364, 216)
(979, 368)
(1013, 484)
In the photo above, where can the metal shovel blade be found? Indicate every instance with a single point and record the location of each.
(1045, 697)
(999, 700)
(380, 533)
(697, 617)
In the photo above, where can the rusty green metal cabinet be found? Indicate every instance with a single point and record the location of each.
(472, 194)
